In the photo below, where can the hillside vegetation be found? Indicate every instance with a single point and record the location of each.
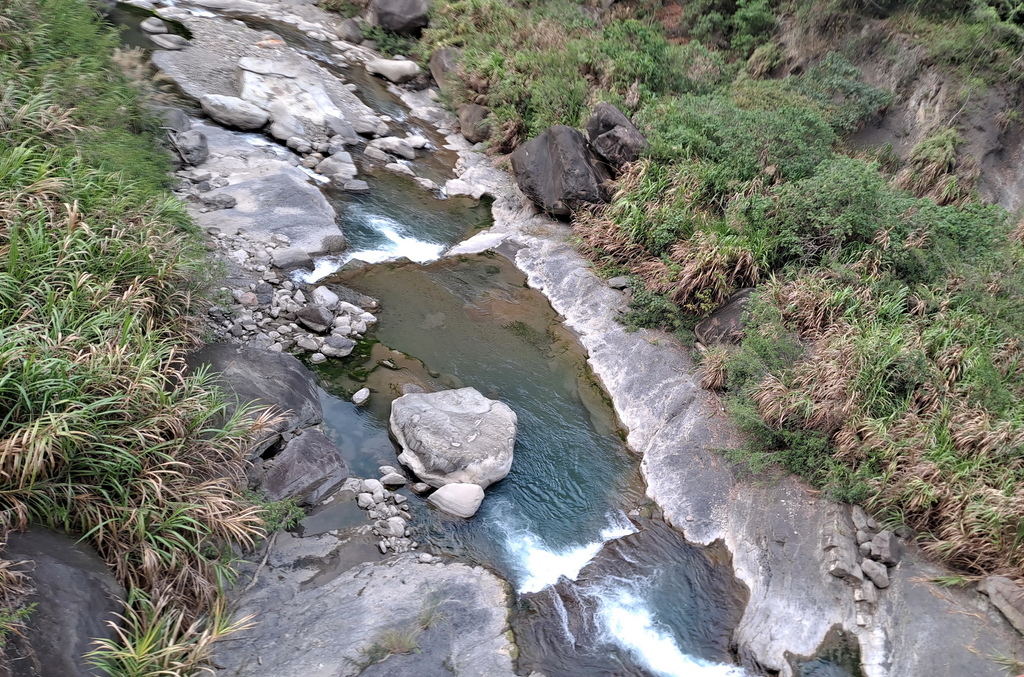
(101, 432)
(882, 354)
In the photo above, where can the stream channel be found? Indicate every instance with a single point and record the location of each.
(603, 586)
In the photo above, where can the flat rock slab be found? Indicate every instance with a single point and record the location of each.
(76, 595)
(275, 78)
(454, 436)
(308, 468)
(272, 195)
(456, 617)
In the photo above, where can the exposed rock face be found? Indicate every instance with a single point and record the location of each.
(725, 325)
(168, 41)
(272, 196)
(75, 594)
(558, 172)
(234, 112)
(270, 379)
(301, 98)
(774, 531)
(308, 468)
(442, 63)
(459, 499)
(395, 70)
(613, 136)
(405, 17)
(349, 31)
(1008, 597)
(192, 146)
(309, 626)
(454, 436)
(472, 124)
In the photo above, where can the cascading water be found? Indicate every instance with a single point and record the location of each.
(598, 593)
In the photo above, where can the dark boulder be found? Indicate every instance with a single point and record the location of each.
(558, 171)
(75, 596)
(442, 63)
(191, 146)
(267, 378)
(613, 136)
(315, 318)
(405, 17)
(725, 325)
(308, 468)
(472, 122)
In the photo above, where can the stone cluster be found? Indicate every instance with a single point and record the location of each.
(863, 561)
(277, 314)
(389, 509)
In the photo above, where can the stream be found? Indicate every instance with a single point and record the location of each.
(603, 586)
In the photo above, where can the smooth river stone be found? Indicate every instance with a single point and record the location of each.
(461, 500)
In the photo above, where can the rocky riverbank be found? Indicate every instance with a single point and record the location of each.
(799, 555)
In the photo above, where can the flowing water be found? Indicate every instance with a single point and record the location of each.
(603, 587)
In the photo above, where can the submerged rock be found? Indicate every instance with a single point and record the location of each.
(454, 436)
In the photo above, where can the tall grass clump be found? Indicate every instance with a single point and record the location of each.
(102, 432)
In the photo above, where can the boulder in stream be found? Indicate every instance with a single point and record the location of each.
(308, 468)
(454, 436)
(397, 71)
(459, 499)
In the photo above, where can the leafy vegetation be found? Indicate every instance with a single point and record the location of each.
(102, 431)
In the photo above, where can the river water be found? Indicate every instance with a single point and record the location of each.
(603, 587)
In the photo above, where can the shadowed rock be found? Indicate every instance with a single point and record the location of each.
(558, 172)
(613, 136)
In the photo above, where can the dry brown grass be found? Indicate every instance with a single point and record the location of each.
(713, 372)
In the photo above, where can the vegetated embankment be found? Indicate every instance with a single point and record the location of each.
(101, 433)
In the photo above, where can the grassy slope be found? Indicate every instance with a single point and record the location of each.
(882, 357)
(100, 432)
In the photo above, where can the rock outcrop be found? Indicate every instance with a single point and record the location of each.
(454, 436)
(558, 171)
(234, 112)
(725, 324)
(400, 618)
(75, 596)
(443, 63)
(405, 17)
(614, 136)
(308, 468)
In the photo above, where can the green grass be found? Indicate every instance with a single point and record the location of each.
(101, 431)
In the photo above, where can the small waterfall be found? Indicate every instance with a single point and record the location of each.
(626, 620)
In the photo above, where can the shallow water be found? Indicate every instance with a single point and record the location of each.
(643, 602)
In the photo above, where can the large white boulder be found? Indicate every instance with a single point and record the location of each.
(454, 436)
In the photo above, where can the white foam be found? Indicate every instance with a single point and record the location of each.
(397, 246)
(626, 620)
(541, 566)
